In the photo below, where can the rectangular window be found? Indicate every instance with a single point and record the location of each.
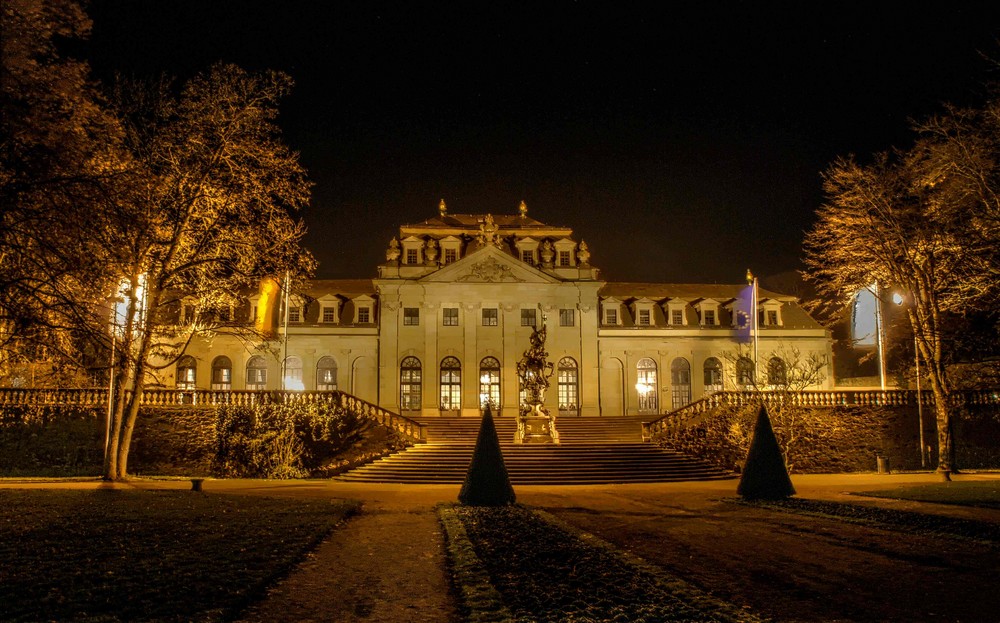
(187, 314)
(567, 317)
(364, 315)
(710, 316)
(450, 318)
(528, 256)
(564, 258)
(529, 317)
(411, 256)
(294, 314)
(450, 255)
(490, 317)
(253, 312)
(676, 316)
(610, 316)
(772, 317)
(329, 314)
(644, 317)
(411, 316)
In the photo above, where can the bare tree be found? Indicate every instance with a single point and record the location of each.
(923, 222)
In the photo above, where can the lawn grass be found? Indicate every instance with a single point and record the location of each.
(515, 565)
(133, 555)
(969, 493)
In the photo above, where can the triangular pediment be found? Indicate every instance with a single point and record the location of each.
(489, 265)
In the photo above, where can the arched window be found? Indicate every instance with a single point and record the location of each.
(489, 382)
(569, 386)
(222, 373)
(680, 382)
(451, 384)
(326, 374)
(409, 384)
(777, 372)
(186, 372)
(744, 372)
(293, 375)
(256, 373)
(713, 375)
(646, 385)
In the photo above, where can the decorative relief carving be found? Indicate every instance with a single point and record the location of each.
(508, 307)
(490, 271)
(488, 232)
(390, 305)
(585, 307)
(472, 306)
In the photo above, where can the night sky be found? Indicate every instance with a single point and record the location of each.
(684, 143)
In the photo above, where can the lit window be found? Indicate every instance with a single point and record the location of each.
(564, 258)
(186, 373)
(567, 317)
(490, 317)
(529, 318)
(772, 317)
(610, 316)
(528, 256)
(411, 316)
(364, 315)
(294, 314)
(644, 317)
(256, 373)
(326, 374)
(329, 314)
(709, 317)
(677, 316)
(450, 318)
(222, 373)
(450, 255)
(411, 256)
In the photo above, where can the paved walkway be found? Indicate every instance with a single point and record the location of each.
(388, 564)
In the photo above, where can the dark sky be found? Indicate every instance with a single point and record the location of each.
(684, 143)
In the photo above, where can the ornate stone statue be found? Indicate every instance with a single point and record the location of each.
(583, 254)
(523, 209)
(442, 209)
(431, 252)
(535, 424)
(488, 232)
(392, 253)
(548, 253)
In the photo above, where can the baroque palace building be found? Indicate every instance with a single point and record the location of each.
(441, 328)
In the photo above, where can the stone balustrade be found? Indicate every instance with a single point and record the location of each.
(90, 397)
(688, 415)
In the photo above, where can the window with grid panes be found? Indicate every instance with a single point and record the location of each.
(329, 314)
(567, 317)
(411, 316)
(490, 315)
(677, 316)
(529, 318)
(644, 317)
(450, 317)
(364, 315)
(564, 258)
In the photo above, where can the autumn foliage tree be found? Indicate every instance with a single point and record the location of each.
(922, 222)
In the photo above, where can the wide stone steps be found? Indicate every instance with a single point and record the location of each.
(592, 452)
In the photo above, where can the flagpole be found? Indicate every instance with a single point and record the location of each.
(284, 357)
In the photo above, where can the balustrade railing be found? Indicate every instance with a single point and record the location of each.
(686, 416)
(89, 397)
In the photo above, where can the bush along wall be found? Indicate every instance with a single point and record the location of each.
(50, 440)
(842, 439)
(264, 441)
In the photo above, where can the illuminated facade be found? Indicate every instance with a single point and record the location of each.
(442, 326)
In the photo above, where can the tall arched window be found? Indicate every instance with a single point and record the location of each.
(409, 384)
(713, 376)
(256, 373)
(292, 379)
(489, 382)
(326, 374)
(451, 384)
(569, 386)
(744, 372)
(680, 382)
(186, 372)
(222, 373)
(646, 385)
(777, 373)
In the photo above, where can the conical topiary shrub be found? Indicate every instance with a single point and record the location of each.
(486, 482)
(764, 475)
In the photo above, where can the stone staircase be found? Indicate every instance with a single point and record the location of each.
(593, 450)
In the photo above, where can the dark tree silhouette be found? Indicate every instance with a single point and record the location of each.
(764, 475)
(486, 482)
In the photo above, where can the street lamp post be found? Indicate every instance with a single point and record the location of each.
(898, 299)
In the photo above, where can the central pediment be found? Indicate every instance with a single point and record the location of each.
(489, 265)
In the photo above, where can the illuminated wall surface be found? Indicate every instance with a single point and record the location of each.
(452, 309)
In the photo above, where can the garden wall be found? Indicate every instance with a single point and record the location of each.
(843, 438)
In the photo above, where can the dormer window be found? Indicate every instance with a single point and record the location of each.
(676, 316)
(770, 313)
(675, 311)
(329, 315)
(708, 311)
(643, 308)
(708, 317)
(610, 316)
(564, 253)
(450, 256)
(565, 259)
(528, 256)
(412, 256)
(296, 310)
(364, 315)
(609, 311)
(294, 314)
(644, 317)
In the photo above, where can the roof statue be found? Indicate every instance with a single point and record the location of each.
(488, 232)
(523, 209)
(583, 254)
(392, 253)
(442, 208)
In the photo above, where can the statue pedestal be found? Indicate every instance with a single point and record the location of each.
(536, 429)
